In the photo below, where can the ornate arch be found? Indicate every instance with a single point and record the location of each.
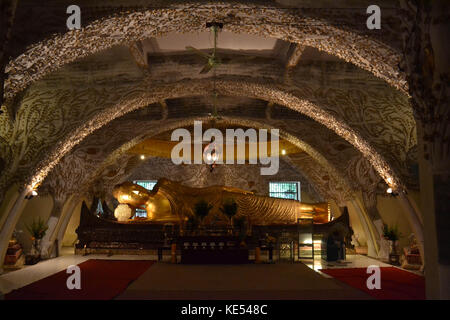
(147, 94)
(51, 54)
(338, 180)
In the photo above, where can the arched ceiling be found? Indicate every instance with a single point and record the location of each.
(103, 155)
(333, 33)
(66, 100)
(145, 94)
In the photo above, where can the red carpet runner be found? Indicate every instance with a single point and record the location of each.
(396, 284)
(100, 280)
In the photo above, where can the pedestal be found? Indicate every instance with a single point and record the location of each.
(394, 259)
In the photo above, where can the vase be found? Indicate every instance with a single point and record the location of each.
(393, 246)
(35, 253)
(394, 257)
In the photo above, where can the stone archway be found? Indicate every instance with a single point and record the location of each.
(282, 23)
(118, 153)
(147, 94)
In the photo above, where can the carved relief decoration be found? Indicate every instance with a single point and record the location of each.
(47, 56)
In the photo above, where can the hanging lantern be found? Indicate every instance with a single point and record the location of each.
(211, 154)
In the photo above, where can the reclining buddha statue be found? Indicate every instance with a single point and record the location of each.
(170, 201)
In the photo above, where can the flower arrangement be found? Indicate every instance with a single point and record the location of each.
(37, 229)
(391, 233)
(201, 209)
(229, 208)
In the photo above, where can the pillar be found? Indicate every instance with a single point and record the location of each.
(10, 223)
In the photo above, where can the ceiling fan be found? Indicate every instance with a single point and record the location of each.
(212, 60)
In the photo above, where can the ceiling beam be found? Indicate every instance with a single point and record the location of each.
(138, 54)
(294, 55)
(269, 107)
(164, 109)
(7, 14)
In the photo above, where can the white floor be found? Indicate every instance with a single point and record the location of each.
(352, 261)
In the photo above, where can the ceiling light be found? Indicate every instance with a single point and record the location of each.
(33, 193)
(215, 156)
(142, 157)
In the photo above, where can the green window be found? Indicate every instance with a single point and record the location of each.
(147, 184)
(285, 190)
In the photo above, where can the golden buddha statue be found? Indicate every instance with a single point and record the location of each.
(170, 201)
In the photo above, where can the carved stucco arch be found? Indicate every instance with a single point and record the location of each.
(83, 189)
(148, 93)
(337, 178)
(51, 54)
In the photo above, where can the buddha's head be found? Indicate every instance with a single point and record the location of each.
(132, 194)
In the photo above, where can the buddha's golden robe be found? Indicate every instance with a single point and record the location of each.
(172, 201)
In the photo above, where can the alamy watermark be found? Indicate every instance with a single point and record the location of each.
(74, 280)
(73, 22)
(374, 20)
(255, 142)
(374, 281)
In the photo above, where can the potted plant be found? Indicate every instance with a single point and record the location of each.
(229, 208)
(37, 230)
(201, 210)
(392, 234)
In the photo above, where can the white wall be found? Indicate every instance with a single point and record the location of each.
(392, 213)
(70, 236)
(40, 206)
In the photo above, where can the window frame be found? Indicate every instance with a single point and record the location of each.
(298, 193)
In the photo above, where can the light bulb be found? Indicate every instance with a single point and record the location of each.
(389, 190)
(142, 157)
(283, 152)
(34, 193)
